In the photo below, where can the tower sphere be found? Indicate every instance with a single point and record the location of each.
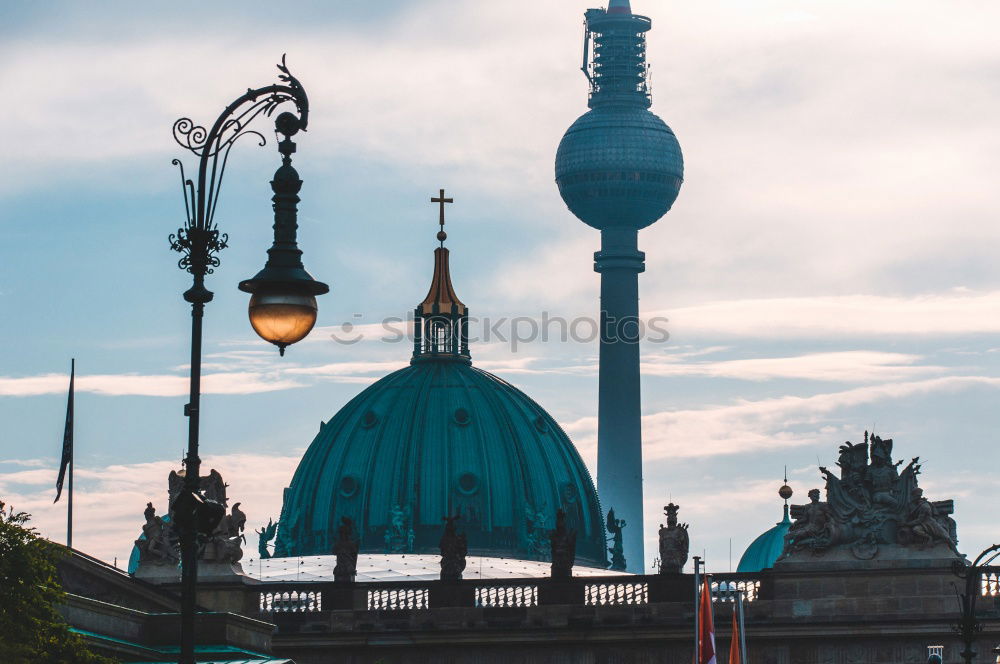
(619, 166)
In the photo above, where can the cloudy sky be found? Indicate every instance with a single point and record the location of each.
(828, 268)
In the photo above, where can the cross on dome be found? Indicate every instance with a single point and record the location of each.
(442, 236)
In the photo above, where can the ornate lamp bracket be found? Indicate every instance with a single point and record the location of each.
(199, 240)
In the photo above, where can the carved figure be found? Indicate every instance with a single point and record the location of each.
(224, 544)
(616, 550)
(453, 550)
(537, 535)
(674, 542)
(214, 488)
(398, 535)
(812, 529)
(265, 535)
(175, 484)
(562, 543)
(922, 526)
(237, 523)
(346, 550)
(157, 544)
(883, 474)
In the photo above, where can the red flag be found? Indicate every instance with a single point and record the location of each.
(706, 627)
(734, 642)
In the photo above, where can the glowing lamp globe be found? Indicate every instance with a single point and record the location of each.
(283, 304)
(282, 318)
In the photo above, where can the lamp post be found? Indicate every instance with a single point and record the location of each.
(971, 574)
(283, 295)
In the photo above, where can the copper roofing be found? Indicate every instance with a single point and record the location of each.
(441, 297)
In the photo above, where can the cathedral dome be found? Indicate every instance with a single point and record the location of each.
(441, 437)
(764, 551)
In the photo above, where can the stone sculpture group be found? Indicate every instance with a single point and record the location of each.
(872, 509)
(159, 545)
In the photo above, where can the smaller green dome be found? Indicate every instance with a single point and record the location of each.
(765, 550)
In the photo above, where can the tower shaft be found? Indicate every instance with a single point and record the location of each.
(619, 428)
(619, 169)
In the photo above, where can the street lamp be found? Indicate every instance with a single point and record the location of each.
(972, 575)
(283, 295)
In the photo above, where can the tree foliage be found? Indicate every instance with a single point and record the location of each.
(31, 629)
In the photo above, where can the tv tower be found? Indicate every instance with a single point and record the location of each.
(619, 169)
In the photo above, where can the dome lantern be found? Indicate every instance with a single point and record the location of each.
(441, 320)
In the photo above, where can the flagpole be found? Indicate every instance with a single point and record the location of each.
(69, 509)
(66, 458)
(697, 610)
(69, 503)
(743, 629)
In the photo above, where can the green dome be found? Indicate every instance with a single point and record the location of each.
(765, 550)
(441, 437)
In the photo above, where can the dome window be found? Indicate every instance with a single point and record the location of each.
(349, 486)
(369, 420)
(468, 483)
(462, 416)
(541, 424)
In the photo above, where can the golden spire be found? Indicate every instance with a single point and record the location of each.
(441, 298)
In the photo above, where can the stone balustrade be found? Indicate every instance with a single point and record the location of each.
(312, 597)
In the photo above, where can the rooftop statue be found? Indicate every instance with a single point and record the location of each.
(615, 527)
(872, 510)
(265, 535)
(453, 550)
(563, 545)
(674, 542)
(346, 550)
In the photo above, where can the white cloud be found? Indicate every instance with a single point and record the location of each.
(351, 369)
(840, 366)
(264, 374)
(938, 314)
(764, 424)
(109, 501)
(772, 423)
(144, 385)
